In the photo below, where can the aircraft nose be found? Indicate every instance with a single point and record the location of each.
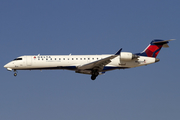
(6, 66)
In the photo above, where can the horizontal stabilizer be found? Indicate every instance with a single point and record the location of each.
(161, 42)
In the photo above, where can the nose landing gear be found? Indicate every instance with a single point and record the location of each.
(15, 74)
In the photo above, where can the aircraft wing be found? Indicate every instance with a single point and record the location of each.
(99, 64)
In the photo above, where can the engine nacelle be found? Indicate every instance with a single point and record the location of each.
(127, 56)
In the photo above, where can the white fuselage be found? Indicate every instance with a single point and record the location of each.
(89, 64)
(72, 62)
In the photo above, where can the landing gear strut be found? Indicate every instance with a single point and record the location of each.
(95, 73)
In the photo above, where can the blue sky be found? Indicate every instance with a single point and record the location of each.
(89, 27)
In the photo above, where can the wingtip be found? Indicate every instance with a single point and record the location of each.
(118, 52)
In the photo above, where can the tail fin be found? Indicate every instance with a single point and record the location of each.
(154, 47)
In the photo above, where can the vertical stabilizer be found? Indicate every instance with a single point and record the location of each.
(154, 48)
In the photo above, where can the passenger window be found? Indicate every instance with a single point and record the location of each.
(63, 58)
(84, 58)
(80, 58)
(76, 58)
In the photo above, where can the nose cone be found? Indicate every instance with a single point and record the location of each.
(157, 60)
(8, 66)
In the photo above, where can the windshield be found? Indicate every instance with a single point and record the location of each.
(18, 59)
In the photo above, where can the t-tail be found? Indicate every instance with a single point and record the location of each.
(154, 48)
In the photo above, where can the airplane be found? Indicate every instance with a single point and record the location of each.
(93, 65)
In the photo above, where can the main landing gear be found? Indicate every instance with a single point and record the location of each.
(95, 73)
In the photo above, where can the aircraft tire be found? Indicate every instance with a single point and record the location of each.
(15, 74)
(93, 77)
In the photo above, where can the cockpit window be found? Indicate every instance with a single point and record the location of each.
(18, 59)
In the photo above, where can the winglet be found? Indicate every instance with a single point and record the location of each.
(118, 52)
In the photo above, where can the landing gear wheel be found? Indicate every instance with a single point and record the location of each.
(15, 74)
(93, 77)
(95, 73)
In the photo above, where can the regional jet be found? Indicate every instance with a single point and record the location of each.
(93, 65)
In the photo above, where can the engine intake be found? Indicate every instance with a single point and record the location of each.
(127, 56)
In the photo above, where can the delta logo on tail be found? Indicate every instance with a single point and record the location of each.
(154, 48)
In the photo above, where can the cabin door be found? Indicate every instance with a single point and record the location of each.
(28, 60)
